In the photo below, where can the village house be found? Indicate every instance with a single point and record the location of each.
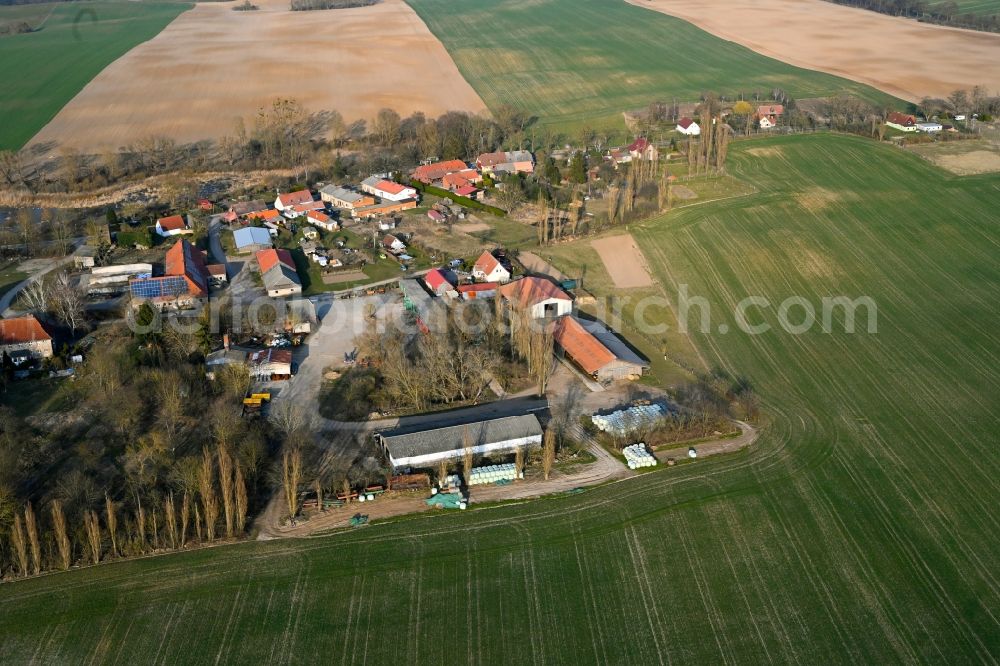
(270, 364)
(489, 269)
(619, 156)
(310, 233)
(217, 275)
(342, 197)
(266, 217)
(175, 225)
(440, 281)
(298, 210)
(641, 148)
(393, 244)
(286, 201)
(184, 283)
(249, 240)
(23, 340)
(688, 127)
(322, 220)
(239, 209)
(431, 173)
(387, 189)
(277, 270)
(541, 298)
(903, 122)
(421, 448)
(513, 161)
(595, 350)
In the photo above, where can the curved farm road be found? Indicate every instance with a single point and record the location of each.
(899, 56)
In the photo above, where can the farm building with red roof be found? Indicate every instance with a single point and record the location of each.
(23, 339)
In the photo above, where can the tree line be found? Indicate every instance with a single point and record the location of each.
(945, 13)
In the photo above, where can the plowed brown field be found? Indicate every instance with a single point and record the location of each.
(213, 65)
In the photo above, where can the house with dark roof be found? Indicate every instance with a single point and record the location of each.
(342, 197)
(595, 350)
(425, 447)
(23, 339)
(278, 272)
(539, 297)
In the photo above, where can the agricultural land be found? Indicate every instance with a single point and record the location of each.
(584, 63)
(860, 528)
(44, 70)
(198, 77)
(901, 57)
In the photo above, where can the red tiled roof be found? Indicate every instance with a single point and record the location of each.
(580, 345)
(267, 259)
(390, 187)
(770, 110)
(438, 170)
(530, 291)
(318, 215)
(20, 330)
(172, 223)
(187, 260)
(217, 269)
(901, 119)
(466, 190)
(435, 215)
(638, 145)
(266, 215)
(685, 122)
(435, 279)
(486, 263)
(292, 198)
(479, 286)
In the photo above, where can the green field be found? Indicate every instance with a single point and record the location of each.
(860, 528)
(42, 71)
(586, 61)
(979, 7)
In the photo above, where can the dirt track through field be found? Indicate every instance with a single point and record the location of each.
(900, 56)
(213, 65)
(624, 261)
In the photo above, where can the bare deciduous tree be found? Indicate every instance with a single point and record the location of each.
(241, 501)
(548, 452)
(31, 527)
(226, 486)
(206, 488)
(61, 534)
(291, 467)
(20, 543)
(111, 520)
(93, 531)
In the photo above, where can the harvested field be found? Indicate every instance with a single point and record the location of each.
(899, 56)
(213, 65)
(624, 261)
(963, 158)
